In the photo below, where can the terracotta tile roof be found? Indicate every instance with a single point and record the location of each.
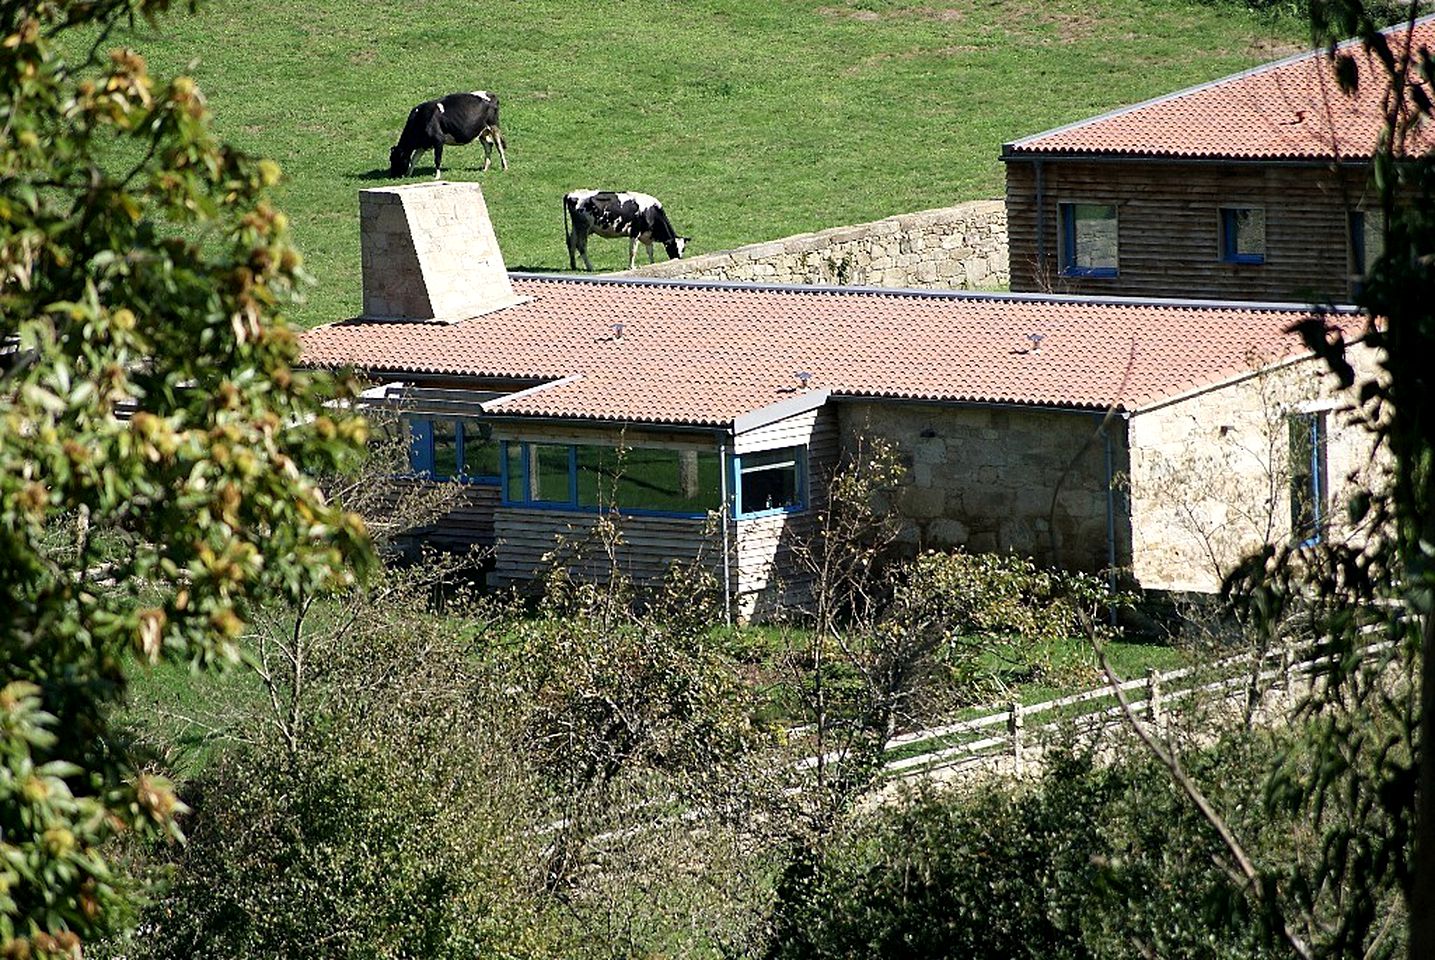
(703, 354)
(1289, 110)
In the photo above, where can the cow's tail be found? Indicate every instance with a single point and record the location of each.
(568, 232)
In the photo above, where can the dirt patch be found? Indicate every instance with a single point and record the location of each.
(935, 14)
(867, 64)
(364, 57)
(1264, 48)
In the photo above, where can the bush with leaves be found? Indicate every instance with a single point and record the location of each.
(1092, 859)
(141, 269)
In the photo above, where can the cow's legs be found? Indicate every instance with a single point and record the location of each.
(438, 161)
(649, 244)
(579, 243)
(497, 135)
(632, 252)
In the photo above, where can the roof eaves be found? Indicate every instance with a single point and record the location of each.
(1256, 306)
(520, 395)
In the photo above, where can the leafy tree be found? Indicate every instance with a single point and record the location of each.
(141, 272)
(1364, 783)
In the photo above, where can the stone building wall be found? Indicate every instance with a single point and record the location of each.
(953, 248)
(1210, 477)
(982, 478)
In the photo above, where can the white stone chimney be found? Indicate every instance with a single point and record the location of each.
(429, 254)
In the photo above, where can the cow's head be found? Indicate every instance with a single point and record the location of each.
(401, 161)
(676, 246)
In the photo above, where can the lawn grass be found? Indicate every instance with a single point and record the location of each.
(751, 121)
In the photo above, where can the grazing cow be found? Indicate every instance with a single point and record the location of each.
(636, 216)
(455, 119)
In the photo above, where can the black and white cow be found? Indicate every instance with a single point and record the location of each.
(455, 119)
(636, 216)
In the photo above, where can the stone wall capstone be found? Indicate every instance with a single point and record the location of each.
(950, 248)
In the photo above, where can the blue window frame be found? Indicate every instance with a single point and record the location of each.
(1243, 235)
(770, 482)
(1089, 234)
(447, 448)
(638, 481)
(1309, 477)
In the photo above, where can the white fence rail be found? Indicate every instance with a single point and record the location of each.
(971, 741)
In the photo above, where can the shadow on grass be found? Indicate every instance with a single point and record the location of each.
(421, 174)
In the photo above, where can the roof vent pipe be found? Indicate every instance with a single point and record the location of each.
(1036, 339)
(802, 377)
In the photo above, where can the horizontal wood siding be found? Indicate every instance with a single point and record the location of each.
(791, 432)
(765, 570)
(468, 524)
(1168, 221)
(649, 544)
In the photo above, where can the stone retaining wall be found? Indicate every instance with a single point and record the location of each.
(952, 248)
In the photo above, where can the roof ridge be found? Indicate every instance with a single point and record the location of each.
(1012, 146)
(1183, 303)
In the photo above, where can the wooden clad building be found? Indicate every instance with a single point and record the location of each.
(1253, 187)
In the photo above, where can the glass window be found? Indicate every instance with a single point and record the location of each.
(480, 452)
(1088, 239)
(513, 490)
(673, 481)
(599, 477)
(1367, 244)
(548, 473)
(771, 480)
(1243, 235)
(445, 449)
(1309, 482)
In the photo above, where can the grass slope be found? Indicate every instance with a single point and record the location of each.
(751, 121)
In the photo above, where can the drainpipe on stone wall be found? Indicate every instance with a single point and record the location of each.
(726, 547)
(1040, 220)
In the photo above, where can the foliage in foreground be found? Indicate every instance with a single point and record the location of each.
(141, 266)
(1092, 859)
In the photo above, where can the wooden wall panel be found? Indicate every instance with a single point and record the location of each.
(1169, 228)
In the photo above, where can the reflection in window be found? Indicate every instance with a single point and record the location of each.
(1088, 239)
(1367, 244)
(548, 473)
(770, 480)
(1309, 480)
(452, 449)
(1243, 235)
(592, 476)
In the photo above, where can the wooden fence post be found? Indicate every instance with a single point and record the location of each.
(1014, 727)
(1153, 701)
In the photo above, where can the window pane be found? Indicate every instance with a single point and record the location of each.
(513, 473)
(1245, 234)
(1372, 238)
(1093, 242)
(1307, 474)
(445, 450)
(677, 481)
(480, 452)
(596, 469)
(548, 472)
(770, 480)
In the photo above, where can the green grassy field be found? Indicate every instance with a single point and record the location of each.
(751, 121)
